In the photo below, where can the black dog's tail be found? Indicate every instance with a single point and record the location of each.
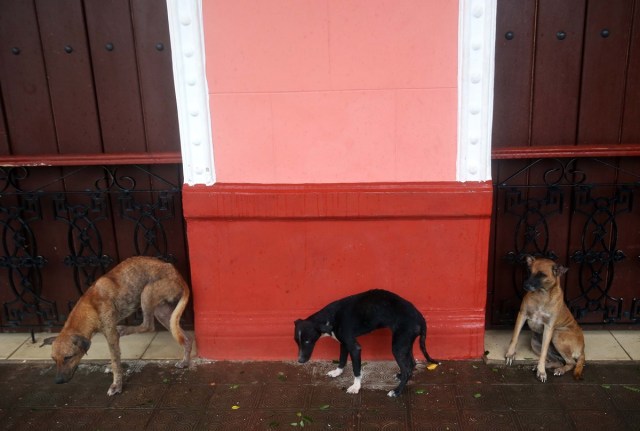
(423, 340)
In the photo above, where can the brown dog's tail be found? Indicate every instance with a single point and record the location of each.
(174, 322)
(577, 371)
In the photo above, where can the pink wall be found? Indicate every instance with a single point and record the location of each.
(331, 91)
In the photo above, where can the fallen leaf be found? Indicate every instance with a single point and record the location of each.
(324, 407)
(420, 391)
(432, 367)
(235, 407)
(477, 395)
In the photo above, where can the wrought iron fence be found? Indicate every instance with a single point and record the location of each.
(57, 239)
(580, 212)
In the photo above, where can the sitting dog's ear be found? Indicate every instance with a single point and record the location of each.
(82, 342)
(48, 341)
(559, 270)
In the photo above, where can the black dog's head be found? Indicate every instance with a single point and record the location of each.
(543, 274)
(306, 333)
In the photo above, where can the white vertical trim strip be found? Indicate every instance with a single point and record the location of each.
(192, 95)
(476, 55)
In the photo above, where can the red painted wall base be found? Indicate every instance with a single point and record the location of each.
(264, 255)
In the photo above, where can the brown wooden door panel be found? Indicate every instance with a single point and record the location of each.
(631, 124)
(23, 79)
(513, 77)
(153, 49)
(604, 71)
(68, 64)
(4, 138)
(116, 75)
(557, 71)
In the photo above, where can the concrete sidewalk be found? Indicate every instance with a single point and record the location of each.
(228, 396)
(601, 345)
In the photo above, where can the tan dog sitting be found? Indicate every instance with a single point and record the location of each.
(145, 282)
(556, 336)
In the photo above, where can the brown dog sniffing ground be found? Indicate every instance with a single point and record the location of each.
(146, 282)
(556, 336)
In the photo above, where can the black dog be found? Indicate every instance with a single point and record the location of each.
(350, 317)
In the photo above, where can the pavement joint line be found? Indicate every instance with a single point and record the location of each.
(149, 345)
(621, 345)
(17, 348)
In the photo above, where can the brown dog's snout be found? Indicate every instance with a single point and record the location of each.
(64, 375)
(530, 285)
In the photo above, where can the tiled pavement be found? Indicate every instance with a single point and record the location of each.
(458, 395)
(461, 395)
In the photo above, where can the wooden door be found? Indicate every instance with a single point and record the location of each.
(566, 154)
(89, 148)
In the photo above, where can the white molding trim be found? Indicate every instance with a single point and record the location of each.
(476, 55)
(192, 93)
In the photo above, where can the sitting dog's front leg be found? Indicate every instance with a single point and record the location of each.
(344, 353)
(511, 351)
(354, 352)
(544, 350)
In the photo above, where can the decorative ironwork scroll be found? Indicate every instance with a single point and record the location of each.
(20, 259)
(598, 255)
(115, 202)
(594, 210)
